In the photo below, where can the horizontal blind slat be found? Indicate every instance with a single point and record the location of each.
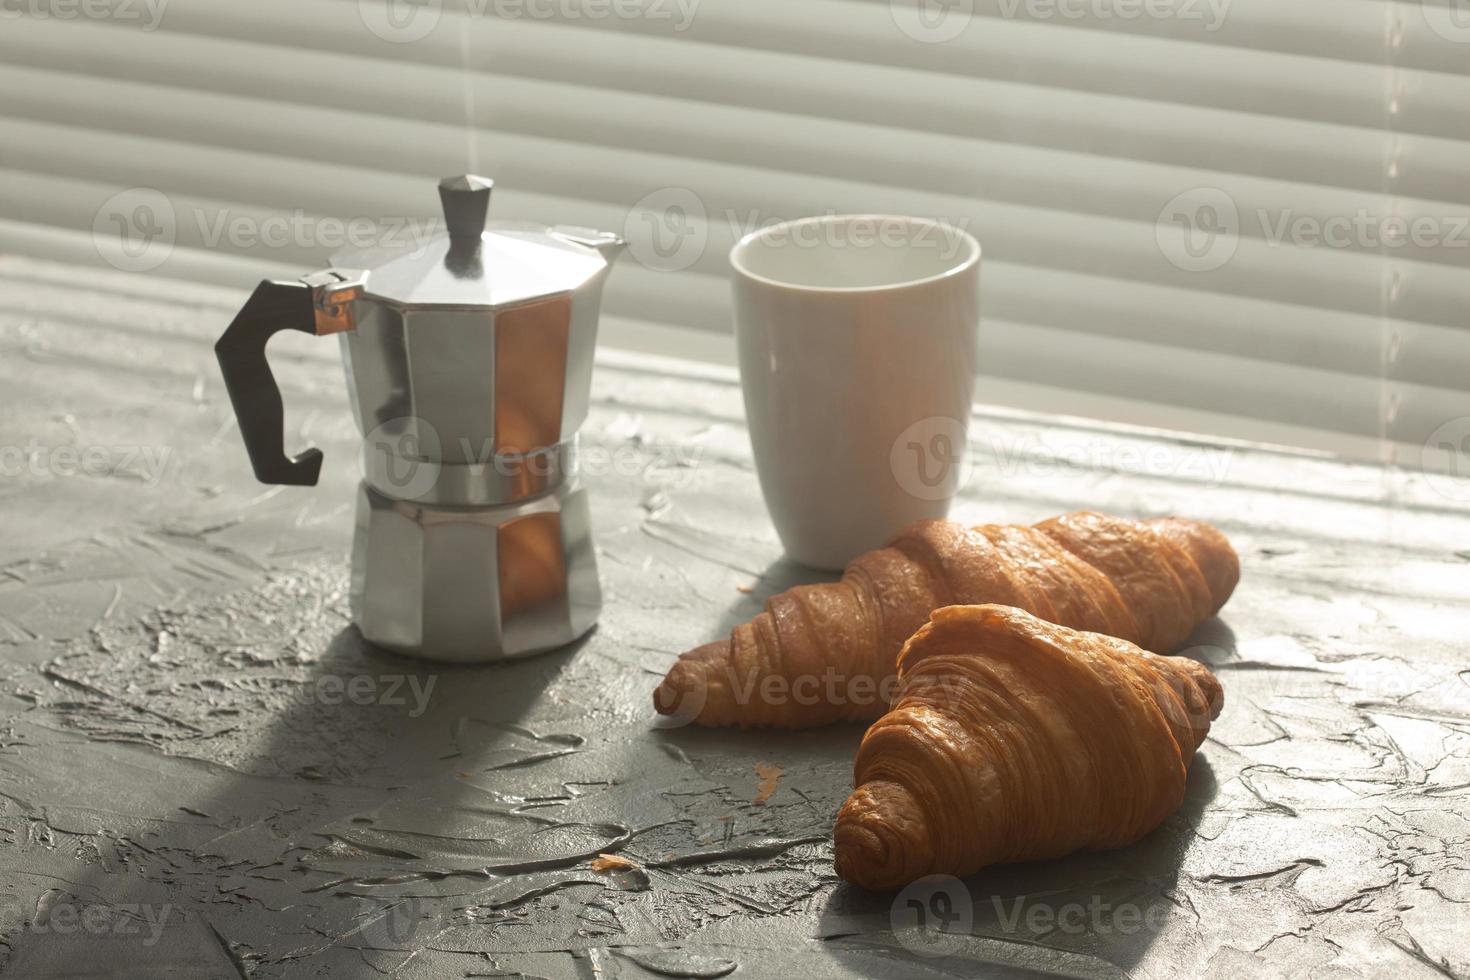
(381, 194)
(1059, 139)
(1345, 280)
(994, 164)
(1296, 85)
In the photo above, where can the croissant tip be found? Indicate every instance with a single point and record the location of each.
(1214, 691)
(684, 691)
(879, 839)
(1211, 551)
(666, 698)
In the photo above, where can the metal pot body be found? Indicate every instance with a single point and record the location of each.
(473, 537)
(473, 406)
(474, 584)
(469, 366)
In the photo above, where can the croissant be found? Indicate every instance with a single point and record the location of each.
(825, 653)
(1013, 739)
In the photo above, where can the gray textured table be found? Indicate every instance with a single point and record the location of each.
(204, 773)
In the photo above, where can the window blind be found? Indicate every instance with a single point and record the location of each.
(1243, 215)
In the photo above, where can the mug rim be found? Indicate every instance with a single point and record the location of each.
(974, 252)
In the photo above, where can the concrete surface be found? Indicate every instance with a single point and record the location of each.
(204, 773)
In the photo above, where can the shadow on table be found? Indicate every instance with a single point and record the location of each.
(1090, 914)
(359, 810)
(777, 577)
(1212, 644)
(327, 847)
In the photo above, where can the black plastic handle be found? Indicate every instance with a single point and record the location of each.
(273, 307)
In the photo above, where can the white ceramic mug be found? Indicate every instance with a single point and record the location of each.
(857, 337)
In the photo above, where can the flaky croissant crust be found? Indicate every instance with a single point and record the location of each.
(833, 647)
(1014, 739)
